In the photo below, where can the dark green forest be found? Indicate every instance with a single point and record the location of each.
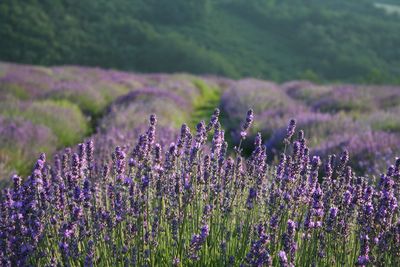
(335, 40)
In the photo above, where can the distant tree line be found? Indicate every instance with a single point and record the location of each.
(342, 40)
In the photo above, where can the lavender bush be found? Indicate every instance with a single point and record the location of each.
(19, 142)
(333, 116)
(194, 204)
(75, 101)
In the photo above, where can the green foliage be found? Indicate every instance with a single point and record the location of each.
(346, 40)
(175, 53)
(14, 90)
(89, 101)
(177, 11)
(204, 105)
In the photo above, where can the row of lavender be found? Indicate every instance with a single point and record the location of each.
(45, 109)
(196, 205)
(363, 119)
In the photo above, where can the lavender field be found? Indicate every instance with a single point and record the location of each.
(106, 168)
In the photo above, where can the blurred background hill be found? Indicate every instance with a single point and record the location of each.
(335, 40)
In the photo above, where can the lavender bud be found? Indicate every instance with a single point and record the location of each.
(246, 125)
(290, 130)
(283, 259)
(153, 119)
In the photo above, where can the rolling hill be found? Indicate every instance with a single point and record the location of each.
(351, 41)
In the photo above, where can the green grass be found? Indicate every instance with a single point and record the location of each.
(14, 90)
(64, 118)
(205, 103)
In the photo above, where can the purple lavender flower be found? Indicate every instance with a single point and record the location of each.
(251, 198)
(90, 154)
(330, 224)
(290, 130)
(120, 161)
(197, 241)
(288, 240)
(151, 132)
(76, 167)
(213, 120)
(283, 259)
(89, 259)
(183, 138)
(363, 259)
(246, 125)
(259, 254)
(200, 135)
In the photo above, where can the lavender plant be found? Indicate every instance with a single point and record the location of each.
(197, 205)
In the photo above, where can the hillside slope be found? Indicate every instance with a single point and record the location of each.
(276, 40)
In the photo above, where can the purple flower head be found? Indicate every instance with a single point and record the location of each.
(347, 197)
(213, 120)
(291, 227)
(151, 133)
(296, 149)
(77, 213)
(363, 260)
(77, 194)
(17, 183)
(329, 167)
(157, 154)
(176, 262)
(288, 240)
(204, 231)
(258, 140)
(90, 153)
(89, 254)
(369, 209)
(185, 131)
(246, 125)
(64, 247)
(397, 166)
(251, 197)
(75, 166)
(120, 160)
(40, 163)
(333, 212)
(290, 130)
(145, 182)
(301, 135)
(283, 259)
(82, 156)
(201, 135)
(273, 222)
(344, 158)
(390, 171)
(153, 119)
(86, 192)
(315, 163)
